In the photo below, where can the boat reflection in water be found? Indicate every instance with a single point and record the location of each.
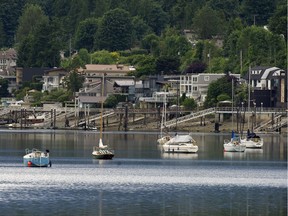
(186, 156)
(248, 154)
(234, 155)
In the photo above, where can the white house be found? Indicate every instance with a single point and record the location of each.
(196, 85)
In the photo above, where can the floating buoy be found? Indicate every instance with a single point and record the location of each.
(29, 163)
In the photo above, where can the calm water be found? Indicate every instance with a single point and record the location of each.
(141, 179)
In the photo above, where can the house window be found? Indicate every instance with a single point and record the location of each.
(195, 88)
(195, 79)
(206, 78)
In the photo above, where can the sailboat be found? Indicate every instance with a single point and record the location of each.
(163, 138)
(102, 151)
(234, 145)
(251, 140)
(178, 143)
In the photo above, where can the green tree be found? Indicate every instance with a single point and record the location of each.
(74, 82)
(9, 15)
(104, 57)
(2, 35)
(151, 44)
(227, 8)
(157, 19)
(59, 95)
(86, 33)
(31, 18)
(140, 29)
(219, 87)
(115, 31)
(111, 101)
(258, 47)
(38, 47)
(146, 66)
(4, 88)
(278, 22)
(257, 12)
(208, 23)
(189, 103)
(173, 43)
(167, 64)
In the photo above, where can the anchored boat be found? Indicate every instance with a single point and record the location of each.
(36, 158)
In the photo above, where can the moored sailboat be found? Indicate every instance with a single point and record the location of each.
(234, 145)
(102, 151)
(252, 140)
(163, 138)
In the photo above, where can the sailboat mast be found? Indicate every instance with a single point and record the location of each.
(102, 101)
(249, 77)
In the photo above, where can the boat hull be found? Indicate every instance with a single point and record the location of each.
(253, 143)
(232, 147)
(36, 158)
(180, 148)
(103, 154)
(37, 162)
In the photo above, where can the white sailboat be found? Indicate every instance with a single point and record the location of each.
(163, 138)
(234, 145)
(102, 151)
(251, 140)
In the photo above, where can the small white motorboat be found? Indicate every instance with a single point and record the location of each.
(181, 144)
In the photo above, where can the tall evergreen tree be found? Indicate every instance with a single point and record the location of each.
(115, 31)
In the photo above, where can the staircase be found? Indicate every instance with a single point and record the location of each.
(189, 117)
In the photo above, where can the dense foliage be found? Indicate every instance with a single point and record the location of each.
(148, 34)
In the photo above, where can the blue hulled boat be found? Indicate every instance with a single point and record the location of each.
(36, 158)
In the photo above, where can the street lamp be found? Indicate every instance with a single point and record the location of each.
(261, 109)
(254, 118)
(261, 106)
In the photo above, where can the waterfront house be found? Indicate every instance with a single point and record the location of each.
(116, 81)
(196, 85)
(53, 79)
(268, 86)
(8, 59)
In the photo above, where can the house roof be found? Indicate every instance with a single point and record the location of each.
(89, 99)
(108, 68)
(28, 73)
(8, 54)
(263, 73)
(122, 83)
(59, 71)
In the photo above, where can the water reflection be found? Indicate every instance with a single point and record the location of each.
(234, 155)
(141, 179)
(185, 156)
